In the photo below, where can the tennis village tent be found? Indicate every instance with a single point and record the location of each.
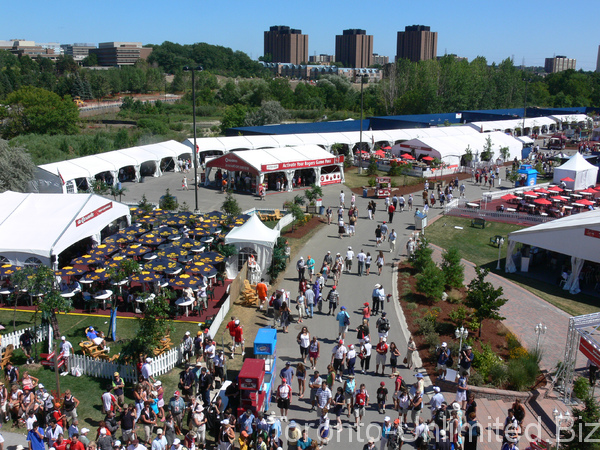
(577, 236)
(253, 238)
(578, 169)
(36, 228)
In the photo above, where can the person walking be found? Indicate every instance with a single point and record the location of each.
(338, 357)
(392, 240)
(361, 258)
(343, 321)
(301, 268)
(301, 377)
(310, 266)
(361, 400)
(368, 260)
(333, 298)
(378, 235)
(380, 261)
(301, 306)
(284, 398)
(365, 351)
(391, 210)
(370, 211)
(349, 259)
(314, 351)
(184, 184)
(303, 340)
(382, 349)
(410, 350)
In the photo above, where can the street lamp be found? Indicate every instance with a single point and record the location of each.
(499, 242)
(540, 329)
(362, 81)
(195, 152)
(461, 333)
(558, 418)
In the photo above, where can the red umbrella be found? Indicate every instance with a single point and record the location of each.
(584, 202)
(559, 198)
(427, 158)
(542, 201)
(407, 156)
(590, 191)
(509, 197)
(387, 147)
(530, 194)
(380, 153)
(542, 191)
(567, 179)
(555, 189)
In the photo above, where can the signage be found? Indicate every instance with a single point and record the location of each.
(589, 350)
(592, 233)
(93, 214)
(231, 162)
(331, 178)
(306, 164)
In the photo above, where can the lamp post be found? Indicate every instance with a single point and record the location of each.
(558, 418)
(500, 242)
(362, 81)
(195, 152)
(461, 333)
(540, 329)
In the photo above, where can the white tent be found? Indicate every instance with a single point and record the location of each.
(578, 169)
(577, 236)
(255, 238)
(38, 227)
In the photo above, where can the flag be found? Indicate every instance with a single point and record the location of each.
(62, 180)
(372, 141)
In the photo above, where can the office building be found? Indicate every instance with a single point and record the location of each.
(79, 51)
(380, 59)
(116, 54)
(22, 47)
(286, 45)
(416, 43)
(354, 48)
(322, 59)
(558, 64)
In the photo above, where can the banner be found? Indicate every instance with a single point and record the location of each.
(306, 164)
(231, 162)
(93, 214)
(589, 350)
(112, 327)
(331, 178)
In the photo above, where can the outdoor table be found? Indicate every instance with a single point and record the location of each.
(198, 249)
(150, 256)
(473, 205)
(586, 193)
(543, 214)
(67, 294)
(183, 303)
(120, 283)
(174, 237)
(5, 292)
(512, 210)
(143, 301)
(577, 195)
(82, 281)
(568, 191)
(173, 271)
(103, 295)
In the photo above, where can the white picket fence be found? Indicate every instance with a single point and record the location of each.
(13, 338)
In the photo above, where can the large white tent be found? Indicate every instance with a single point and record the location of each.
(577, 236)
(252, 238)
(36, 228)
(578, 169)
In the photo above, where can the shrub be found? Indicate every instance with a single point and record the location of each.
(498, 374)
(411, 306)
(581, 388)
(518, 352)
(372, 168)
(153, 125)
(432, 340)
(422, 256)
(454, 271)
(522, 372)
(484, 360)
(372, 182)
(476, 379)
(426, 326)
(459, 316)
(512, 341)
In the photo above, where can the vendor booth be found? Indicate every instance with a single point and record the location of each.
(253, 239)
(251, 383)
(265, 345)
(579, 170)
(36, 228)
(280, 169)
(527, 176)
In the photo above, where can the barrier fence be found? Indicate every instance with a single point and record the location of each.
(489, 214)
(40, 334)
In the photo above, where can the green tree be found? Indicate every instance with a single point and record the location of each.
(372, 167)
(484, 298)
(487, 154)
(295, 210)
(431, 281)
(233, 116)
(230, 205)
(454, 271)
(504, 153)
(35, 110)
(313, 193)
(21, 166)
(422, 256)
(145, 205)
(90, 60)
(168, 202)
(270, 112)
(116, 191)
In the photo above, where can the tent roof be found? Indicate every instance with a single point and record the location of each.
(253, 231)
(511, 124)
(577, 163)
(575, 235)
(47, 224)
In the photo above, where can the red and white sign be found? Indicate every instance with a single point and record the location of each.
(589, 350)
(307, 164)
(331, 178)
(231, 162)
(93, 214)
(592, 233)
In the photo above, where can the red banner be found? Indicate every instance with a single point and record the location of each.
(93, 214)
(592, 233)
(331, 178)
(307, 164)
(589, 350)
(232, 162)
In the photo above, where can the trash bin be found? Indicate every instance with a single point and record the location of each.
(420, 220)
(365, 193)
(322, 210)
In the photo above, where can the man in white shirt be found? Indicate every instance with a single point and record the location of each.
(349, 259)
(338, 357)
(284, 398)
(436, 401)
(65, 349)
(147, 370)
(159, 442)
(342, 198)
(361, 258)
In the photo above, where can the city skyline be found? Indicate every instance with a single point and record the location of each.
(525, 31)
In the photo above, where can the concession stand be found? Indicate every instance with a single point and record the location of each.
(250, 381)
(383, 187)
(265, 345)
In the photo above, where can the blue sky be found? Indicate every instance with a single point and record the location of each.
(528, 29)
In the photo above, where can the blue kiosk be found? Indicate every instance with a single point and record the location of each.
(527, 176)
(265, 345)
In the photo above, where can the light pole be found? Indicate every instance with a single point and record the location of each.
(362, 80)
(540, 329)
(195, 152)
(558, 418)
(500, 242)
(461, 333)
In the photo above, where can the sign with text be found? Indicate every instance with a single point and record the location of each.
(331, 178)
(231, 162)
(589, 350)
(93, 214)
(306, 164)
(592, 233)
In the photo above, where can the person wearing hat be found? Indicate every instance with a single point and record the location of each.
(118, 388)
(338, 358)
(461, 391)
(370, 445)
(351, 359)
(146, 370)
(284, 396)
(310, 266)
(188, 346)
(349, 258)
(443, 359)
(382, 350)
(85, 441)
(361, 400)
(301, 268)
(382, 394)
(465, 361)
(177, 408)
(238, 338)
(261, 292)
(231, 325)
(176, 444)
(190, 440)
(395, 436)
(244, 440)
(436, 400)
(383, 325)
(160, 441)
(198, 344)
(386, 429)
(66, 348)
(226, 436)
(218, 365)
(210, 349)
(375, 299)
(416, 405)
(343, 319)
(333, 298)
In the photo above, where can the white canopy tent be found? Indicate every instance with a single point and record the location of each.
(511, 124)
(578, 169)
(252, 238)
(36, 228)
(577, 236)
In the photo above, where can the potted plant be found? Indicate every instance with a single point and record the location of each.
(315, 192)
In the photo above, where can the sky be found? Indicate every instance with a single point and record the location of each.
(527, 30)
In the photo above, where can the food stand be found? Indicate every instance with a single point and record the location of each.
(265, 345)
(250, 380)
(383, 187)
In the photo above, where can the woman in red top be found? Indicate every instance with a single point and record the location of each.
(366, 312)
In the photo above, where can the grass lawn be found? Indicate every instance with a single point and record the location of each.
(474, 245)
(354, 180)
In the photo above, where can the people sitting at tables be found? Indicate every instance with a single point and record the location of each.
(97, 337)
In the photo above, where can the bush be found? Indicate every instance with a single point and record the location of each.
(422, 256)
(432, 340)
(426, 326)
(454, 271)
(484, 360)
(498, 374)
(372, 182)
(459, 316)
(512, 341)
(153, 125)
(522, 372)
(476, 379)
(411, 306)
(581, 388)
(517, 353)
(372, 168)
(431, 282)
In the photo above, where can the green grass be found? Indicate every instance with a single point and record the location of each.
(354, 180)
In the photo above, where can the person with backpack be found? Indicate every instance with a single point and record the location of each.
(361, 399)
(344, 322)
(383, 326)
(333, 298)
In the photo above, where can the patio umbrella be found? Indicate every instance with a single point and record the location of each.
(115, 261)
(172, 252)
(176, 221)
(199, 231)
(136, 211)
(216, 216)
(542, 201)
(150, 239)
(166, 231)
(542, 191)
(558, 198)
(240, 220)
(380, 153)
(161, 264)
(427, 158)
(88, 259)
(209, 257)
(530, 194)
(509, 197)
(104, 249)
(208, 270)
(136, 250)
(145, 276)
(189, 244)
(186, 215)
(387, 147)
(133, 230)
(589, 191)
(407, 156)
(555, 189)
(184, 280)
(8, 269)
(67, 271)
(97, 275)
(584, 202)
(148, 219)
(567, 179)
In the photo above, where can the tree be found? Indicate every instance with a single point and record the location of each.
(422, 257)
(372, 168)
(90, 60)
(145, 205)
(485, 300)
(22, 168)
(313, 193)
(454, 271)
(431, 281)
(168, 202)
(230, 205)
(116, 191)
(36, 110)
(270, 112)
(295, 210)
(468, 156)
(487, 154)
(233, 116)
(504, 153)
